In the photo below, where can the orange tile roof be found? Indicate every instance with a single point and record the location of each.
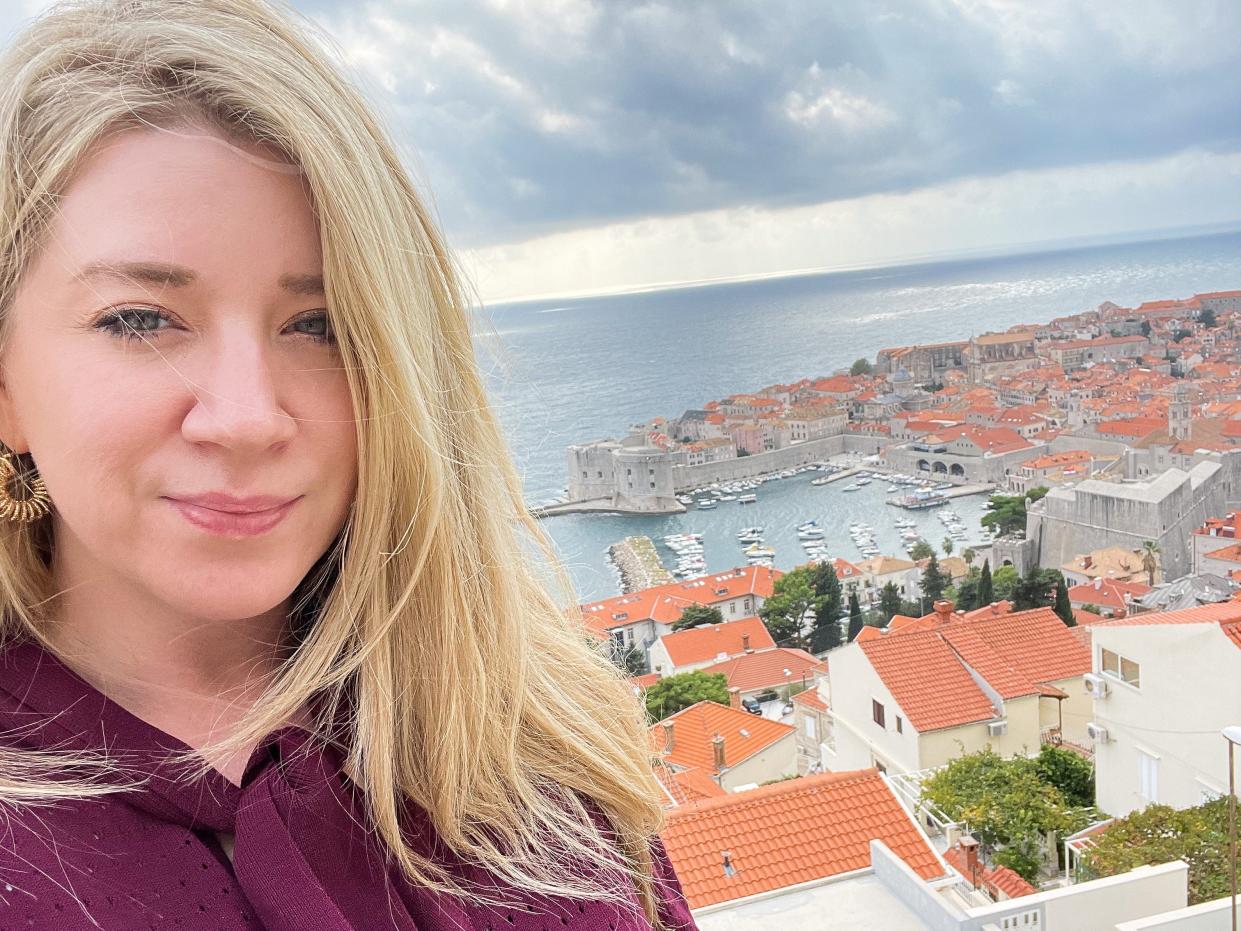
(927, 680)
(664, 603)
(644, 681)
(699, 644)
(996, 878)
(1035, 643)
(1224, 612)
(767, 668)
(811, 699)
(1107, 593)
(694, 727)
(995, 609)
(1230, 553)
(790, 832)
(687, 785)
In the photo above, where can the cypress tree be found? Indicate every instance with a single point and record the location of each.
(855, 617)
(1063, 606)
(986, 593)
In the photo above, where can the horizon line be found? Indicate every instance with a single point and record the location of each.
(1028, 247)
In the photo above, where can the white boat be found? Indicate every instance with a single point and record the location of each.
(706, 504)
(757, 549)
(747, 499)
(853, 487)
(813, 534)
(863, 481)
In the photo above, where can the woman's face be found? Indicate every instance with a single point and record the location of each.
(170, 345)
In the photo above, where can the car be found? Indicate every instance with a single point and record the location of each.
(751, 705)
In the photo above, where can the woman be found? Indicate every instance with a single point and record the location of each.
(275, 651)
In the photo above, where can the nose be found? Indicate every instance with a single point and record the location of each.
(239, 402)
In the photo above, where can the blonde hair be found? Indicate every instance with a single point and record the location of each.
(431, 626)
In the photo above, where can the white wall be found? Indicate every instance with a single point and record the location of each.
(859, 740)
(1189, 690)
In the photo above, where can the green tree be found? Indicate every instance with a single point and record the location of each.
(1207, 318)
(1146, 328)
(1036, 589)
(1159, 834)
(1063, 607)
(697, 616)
(1180, 333)
(934, 579)
(986, 593)
(967, 597)
(633, 661)
(1068, 772)
(673, 693)
(947, 546)
(969, 554)
(889, 601)
(829, 605)
(1005, 802)
(827, 589)
(1004, 583)
(1007, 513)
(792, 597)
(921, 550)
(860, 367)
(855, 617)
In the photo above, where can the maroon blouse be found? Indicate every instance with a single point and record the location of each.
(302, 861)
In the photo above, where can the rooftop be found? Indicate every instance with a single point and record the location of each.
(790, 832)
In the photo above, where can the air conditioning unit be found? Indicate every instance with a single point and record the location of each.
(1097, 733)
(997, 728)
(1096, 686)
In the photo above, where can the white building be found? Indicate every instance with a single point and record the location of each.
(1165, 685)
(929, 689)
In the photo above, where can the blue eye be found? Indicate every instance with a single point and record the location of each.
(132, 322)
(318, 327)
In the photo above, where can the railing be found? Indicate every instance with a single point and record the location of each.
(908, 789)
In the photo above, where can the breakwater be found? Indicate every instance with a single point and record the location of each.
(638, 564)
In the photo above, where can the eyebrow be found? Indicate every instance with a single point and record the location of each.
(178, 276)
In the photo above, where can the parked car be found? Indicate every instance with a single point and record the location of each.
(751, 704)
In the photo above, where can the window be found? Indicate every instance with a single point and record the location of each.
(1148, 776)
(900, 728)
(652, 484)
(810, 728)
(876, 710)
(1116, 666)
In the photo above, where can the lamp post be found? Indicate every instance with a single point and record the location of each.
(1232, 734)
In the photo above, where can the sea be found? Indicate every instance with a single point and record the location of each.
(569, 371)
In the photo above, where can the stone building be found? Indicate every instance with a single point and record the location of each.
(1096, 514)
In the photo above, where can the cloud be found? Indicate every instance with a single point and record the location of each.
(538, 121)
(552, 116)
(1194, 187)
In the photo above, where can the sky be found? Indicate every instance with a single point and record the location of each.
(587, 146)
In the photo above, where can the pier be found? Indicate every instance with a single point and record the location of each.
(638, 563)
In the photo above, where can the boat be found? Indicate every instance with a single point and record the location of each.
(747, 499)
(864, 480)
(706, 504)
(823, 480)
(811, 534)
(853, 487)
(757, 549)
(728, 497)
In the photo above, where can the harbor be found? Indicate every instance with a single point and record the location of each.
(793, 521)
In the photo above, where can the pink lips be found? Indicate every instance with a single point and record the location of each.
(225, 515)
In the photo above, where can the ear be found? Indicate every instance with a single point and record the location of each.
(11, 432)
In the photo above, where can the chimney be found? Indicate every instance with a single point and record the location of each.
(717, 744)
(669, 739)
(734, 698)
(727, 856)
(745, 643)
(969, 847)
(944, 609)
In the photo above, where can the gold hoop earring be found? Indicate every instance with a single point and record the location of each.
(22, 510)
